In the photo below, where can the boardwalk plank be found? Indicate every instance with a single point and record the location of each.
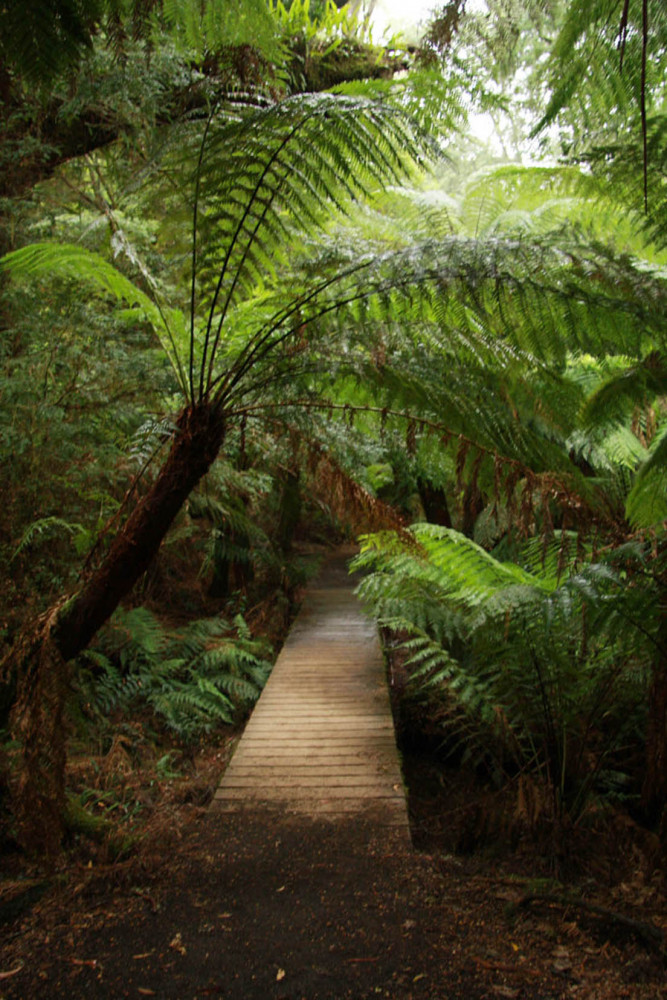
(321, 740)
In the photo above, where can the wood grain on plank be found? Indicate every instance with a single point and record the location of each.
(321, 740)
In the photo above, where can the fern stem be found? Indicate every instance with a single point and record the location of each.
(251, 351)
(223, 270)
(193, 275)
(643, 99)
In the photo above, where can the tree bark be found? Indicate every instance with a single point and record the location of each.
(654, 789)
(39, 658)
(196, 445)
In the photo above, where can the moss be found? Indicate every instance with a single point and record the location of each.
(351, 61)
(79, 821)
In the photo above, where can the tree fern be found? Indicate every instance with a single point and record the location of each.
(610, 59)
(544, 666)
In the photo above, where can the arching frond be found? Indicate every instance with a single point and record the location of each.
(533, 663)
(44, 38)
(277, 173)
(40, 260)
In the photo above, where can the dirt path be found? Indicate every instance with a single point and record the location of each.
(263, 909)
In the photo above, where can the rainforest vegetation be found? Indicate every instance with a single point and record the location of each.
(263, 286)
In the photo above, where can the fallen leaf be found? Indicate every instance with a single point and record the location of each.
(281, 889)
(280, 975)
(145, 993)
(145, 954)
(176, 944)
(562, 961)
(12, 972)
(505, 991)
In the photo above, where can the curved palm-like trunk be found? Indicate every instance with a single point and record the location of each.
(198, 440)
(40, 658)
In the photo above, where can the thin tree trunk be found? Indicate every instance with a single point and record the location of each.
(40, 657)
(654, 789)
(197, 443)
(290, 508)
(434, 502)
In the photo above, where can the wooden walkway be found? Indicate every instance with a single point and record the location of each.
(320, 742)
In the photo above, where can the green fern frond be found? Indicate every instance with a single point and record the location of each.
(201, 30)
(40, 260)
(42, 529)
(208, 672)
(43, 39)
(531, 670)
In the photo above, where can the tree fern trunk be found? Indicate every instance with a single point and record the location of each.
(39, 659)
(198, 441)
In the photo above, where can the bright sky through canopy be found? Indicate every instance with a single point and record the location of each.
(407, 15)
(397, 15)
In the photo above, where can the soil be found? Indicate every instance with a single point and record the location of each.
(267, 908)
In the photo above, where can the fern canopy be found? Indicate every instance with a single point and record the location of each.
(542, 667)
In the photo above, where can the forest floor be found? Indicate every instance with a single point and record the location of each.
(212, 905)
(166, 898)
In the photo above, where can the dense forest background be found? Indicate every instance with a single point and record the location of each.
(262, 284)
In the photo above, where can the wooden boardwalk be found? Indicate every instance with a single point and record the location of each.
(320, 742)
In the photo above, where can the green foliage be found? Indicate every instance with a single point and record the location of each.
(331, 25)
(49, 37)
(45, 38)
(205, 29)
(39, 531)
(539, 666)
(42, 259)
(516, 319)
(206, 673)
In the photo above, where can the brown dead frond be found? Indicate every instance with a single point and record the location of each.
(347, 499)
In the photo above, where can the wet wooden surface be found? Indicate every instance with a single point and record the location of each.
(321, 741)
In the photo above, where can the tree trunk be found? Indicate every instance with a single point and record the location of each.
(434, 502)
(40, 657)
(654, 789)
(290, 509)
(197, 443)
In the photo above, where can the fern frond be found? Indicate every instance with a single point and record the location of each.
(44, 528)
(45, 38)
(39, 260)
(201, 30)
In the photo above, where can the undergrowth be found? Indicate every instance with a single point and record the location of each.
(192, 678)
(529, 673)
